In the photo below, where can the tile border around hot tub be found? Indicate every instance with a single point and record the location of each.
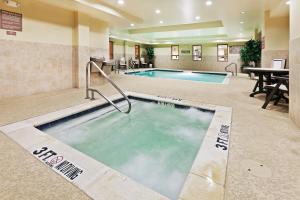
(225, 81)
(206, 178)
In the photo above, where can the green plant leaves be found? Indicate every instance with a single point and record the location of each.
(251, 52)
(150, 53)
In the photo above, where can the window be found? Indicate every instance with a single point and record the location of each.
(111, 50)
(137, 51)
(197, 52)
(175, 52)
(222, 52)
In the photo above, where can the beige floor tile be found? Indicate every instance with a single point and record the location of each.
(114, 186)
(267, 137)
(211, 162)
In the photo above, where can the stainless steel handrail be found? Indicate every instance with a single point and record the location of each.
(235, 66)
(88, 89)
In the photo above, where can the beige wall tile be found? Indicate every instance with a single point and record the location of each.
(269, 55)
(28, 68)
(295, 80)
(208, 63)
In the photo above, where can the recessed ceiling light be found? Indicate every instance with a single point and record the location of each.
(157, 11)
(243, 12)
(197, 17)
(288, 2)
(132, 25)
(219, 41)
(161, 22)
(242, 22)
(121, 2)
(208, 3)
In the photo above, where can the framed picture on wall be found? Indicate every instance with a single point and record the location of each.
(137, 51)
(197, 52)
(175, 52)
(222, 52)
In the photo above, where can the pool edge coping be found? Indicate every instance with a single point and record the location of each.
(225, 81)
(15, 130)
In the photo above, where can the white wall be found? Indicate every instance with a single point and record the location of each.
(51, 51)
(209, 59)
(127, 49)
(276, 33)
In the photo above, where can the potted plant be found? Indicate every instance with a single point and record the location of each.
(150, 55)
(251, 53)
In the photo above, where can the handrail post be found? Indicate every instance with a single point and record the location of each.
(93, 96)
(235, 66)
(88, 71)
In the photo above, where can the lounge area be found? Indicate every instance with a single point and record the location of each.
(149, 100)
(274, 82)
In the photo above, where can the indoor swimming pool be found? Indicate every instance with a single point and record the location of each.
(205, 77)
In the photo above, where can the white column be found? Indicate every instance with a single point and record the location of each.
(81, 48)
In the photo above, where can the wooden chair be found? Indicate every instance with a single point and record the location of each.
(277, 90)
(276, 64)
(122, 63)
(132, 63)
(143, 62)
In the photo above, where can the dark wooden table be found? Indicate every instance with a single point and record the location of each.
(267, 73)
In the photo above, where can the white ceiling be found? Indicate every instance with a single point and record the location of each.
(174, 12)
(142, 14)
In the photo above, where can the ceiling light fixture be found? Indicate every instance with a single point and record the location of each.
(121, 2)
(243, 12)
(157, 11)
(242, 22)
(208, 3)
(241, 40)
(288, 2)
(161, 22)
(197, 17)
(219, 41)
(132, 25)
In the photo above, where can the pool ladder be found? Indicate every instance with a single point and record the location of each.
(235, 67)
(93, 91)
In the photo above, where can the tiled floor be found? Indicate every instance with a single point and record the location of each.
(264, 156)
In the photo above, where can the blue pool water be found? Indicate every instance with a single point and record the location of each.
(191, 76)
